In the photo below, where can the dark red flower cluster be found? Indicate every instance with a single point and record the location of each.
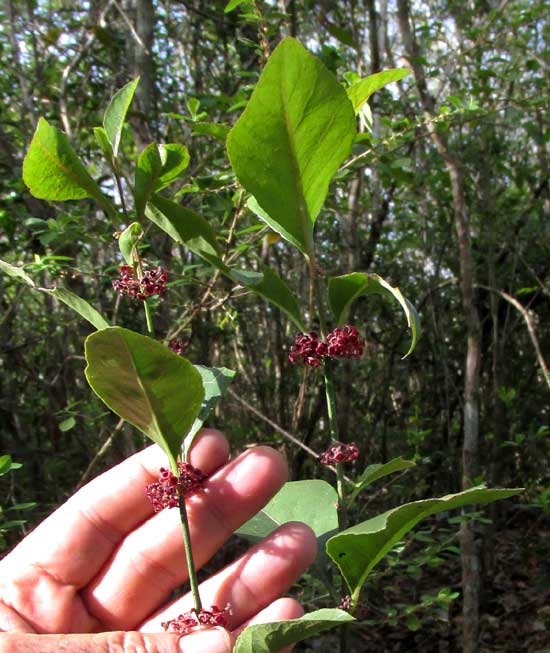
(340, 342)
(166, 492)
(153, 282)
(340, 453)
(308, 350)
(185, 623)
(178, 346)
(344, 342)
(361, 611)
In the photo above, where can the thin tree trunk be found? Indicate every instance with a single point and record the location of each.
(469, 553)
(143, 66)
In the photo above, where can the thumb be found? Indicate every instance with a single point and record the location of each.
(213, 640)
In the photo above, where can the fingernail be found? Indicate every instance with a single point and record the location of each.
(213, 640)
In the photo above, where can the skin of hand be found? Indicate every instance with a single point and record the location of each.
(94, 577)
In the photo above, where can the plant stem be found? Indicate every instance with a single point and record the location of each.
(333, 426)
(189, 556)
(330, 395)
(344, 632)
(149, 318)
(331, 412)
(120, 193)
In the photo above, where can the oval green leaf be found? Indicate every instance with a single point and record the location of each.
(146, 384)
(295, 132)
(114, 117)
(344, 290)
(175, 159)
(271, 637)
(186, 227)
(377, 471)
(358, 549)
(81, 306)
(17, 273)
(6, 464)
(312, 502)
(52, 171)
(128, 240)
(67, 424)
(104, 143)
(270, 286)
(148, 169)
(361, 91)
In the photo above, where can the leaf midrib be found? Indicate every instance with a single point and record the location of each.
(305, 220)
(148, 401)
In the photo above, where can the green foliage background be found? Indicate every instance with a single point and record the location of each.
(389, 212)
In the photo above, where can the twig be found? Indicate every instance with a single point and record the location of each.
(130, 26)
(100, 453)
(530, 328)
(280, 430)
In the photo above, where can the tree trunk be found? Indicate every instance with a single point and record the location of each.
(469, 553)
(143, 66)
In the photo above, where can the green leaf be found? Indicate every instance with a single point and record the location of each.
(186, 227)
(104, 143)
(148, 169)
(193, 105)
(75, 302)
(252, 204)
(233, 4)
(359, 548)
(215, 381)
(22, 506)
(377, 471)
(67, 424)
(157, 166)
(79, 305)
(295, 132)
(343, 35)
(175, 159)
(312, 502)
(217, 131)
(274, 289)
(271, 637)
(146, 384)
(16, 273)
(191, 229)
(128, 240)
(114, 117)
(52, 171)
(5, 464)
(361, 91)
(344, 290)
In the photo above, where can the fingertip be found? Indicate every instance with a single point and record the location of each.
(305, 540)
(213, 640)
(210, 451)
(274, 459)
(283, 609)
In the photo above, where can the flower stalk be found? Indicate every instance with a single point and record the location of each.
(191, 570)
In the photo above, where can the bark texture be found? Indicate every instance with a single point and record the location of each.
(469, 553)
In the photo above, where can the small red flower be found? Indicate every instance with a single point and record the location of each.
(361, 611)
(185, 623)
(340, 453)
(165, 493)
(307, 349)
(153, 282)
(342, 342)
(178, 346)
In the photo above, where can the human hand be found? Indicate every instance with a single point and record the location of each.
(94, 577)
